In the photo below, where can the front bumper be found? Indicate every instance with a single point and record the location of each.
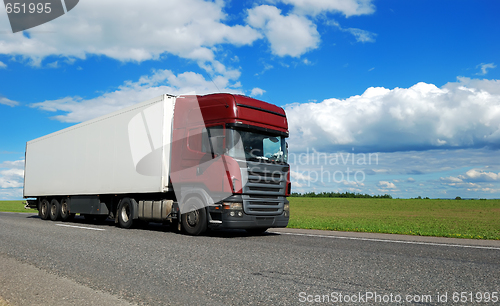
(221, 218)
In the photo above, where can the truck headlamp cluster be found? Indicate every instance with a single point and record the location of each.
(235, 209)
(286, 210)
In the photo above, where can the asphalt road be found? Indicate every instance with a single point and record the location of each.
(77, 263)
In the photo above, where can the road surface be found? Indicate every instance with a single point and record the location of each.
(79, 263)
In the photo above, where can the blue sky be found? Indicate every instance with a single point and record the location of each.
(413, 83)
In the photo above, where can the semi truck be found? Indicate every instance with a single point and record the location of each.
(197, 162)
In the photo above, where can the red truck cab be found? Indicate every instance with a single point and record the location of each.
(229, 163)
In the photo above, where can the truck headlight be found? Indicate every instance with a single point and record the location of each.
(286, 207)
(234, 209)
(232, 206)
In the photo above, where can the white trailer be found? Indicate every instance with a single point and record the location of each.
(100, 156)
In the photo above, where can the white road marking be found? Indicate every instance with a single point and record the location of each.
(393, 241)
(82, 227)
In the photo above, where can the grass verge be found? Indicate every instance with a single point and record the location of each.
(476, 219)
(15, 206)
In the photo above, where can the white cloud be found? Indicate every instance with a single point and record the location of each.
(159, 82)
(53, 65)
(465, 113)
(131, 31)
(452, 179)
(484, 68)
(298, 176)
(386, 185)
(18, 164)
(2, 65)
(257, 92)
(8, 102)
(480, 176)
(430, 173)
(346, 7)
(13, 175)
(475, 180)
(361, 35)
(291, 35)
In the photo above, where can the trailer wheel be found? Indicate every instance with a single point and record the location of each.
(125, 214)
(55, 210)
(194, 222)
(65, 215)
(43, 210)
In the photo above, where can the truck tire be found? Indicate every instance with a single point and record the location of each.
(65, 215)
(55, 210)
(125, 213)
(194, 222)
(43, 210)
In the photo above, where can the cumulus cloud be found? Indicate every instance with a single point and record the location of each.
(77, 109)
(452, 179)
(345, 7)
(462, 114)
(475, 175)
(131, 31)
(2, 65)
(190, 29)
(8, 102)
(11, 174)
(298, 176)
(434, 173)
(18, 164)
(257, 92)
(475, 180)
(480, 175)
(386, 185)
(291, 35)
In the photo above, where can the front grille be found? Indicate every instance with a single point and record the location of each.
(256, 196)
(260, 181)
(263, 206)
(266, 209)
(264, 191)
(268, 179)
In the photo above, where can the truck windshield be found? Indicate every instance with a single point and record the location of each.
(248, 145)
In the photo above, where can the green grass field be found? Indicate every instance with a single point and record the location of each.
(477, 219)
(15, 206)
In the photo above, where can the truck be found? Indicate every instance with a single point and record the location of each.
(196, 162)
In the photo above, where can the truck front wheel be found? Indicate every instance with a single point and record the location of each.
(125, 214)
(194, 222)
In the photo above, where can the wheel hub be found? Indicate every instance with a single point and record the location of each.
(192, 218)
